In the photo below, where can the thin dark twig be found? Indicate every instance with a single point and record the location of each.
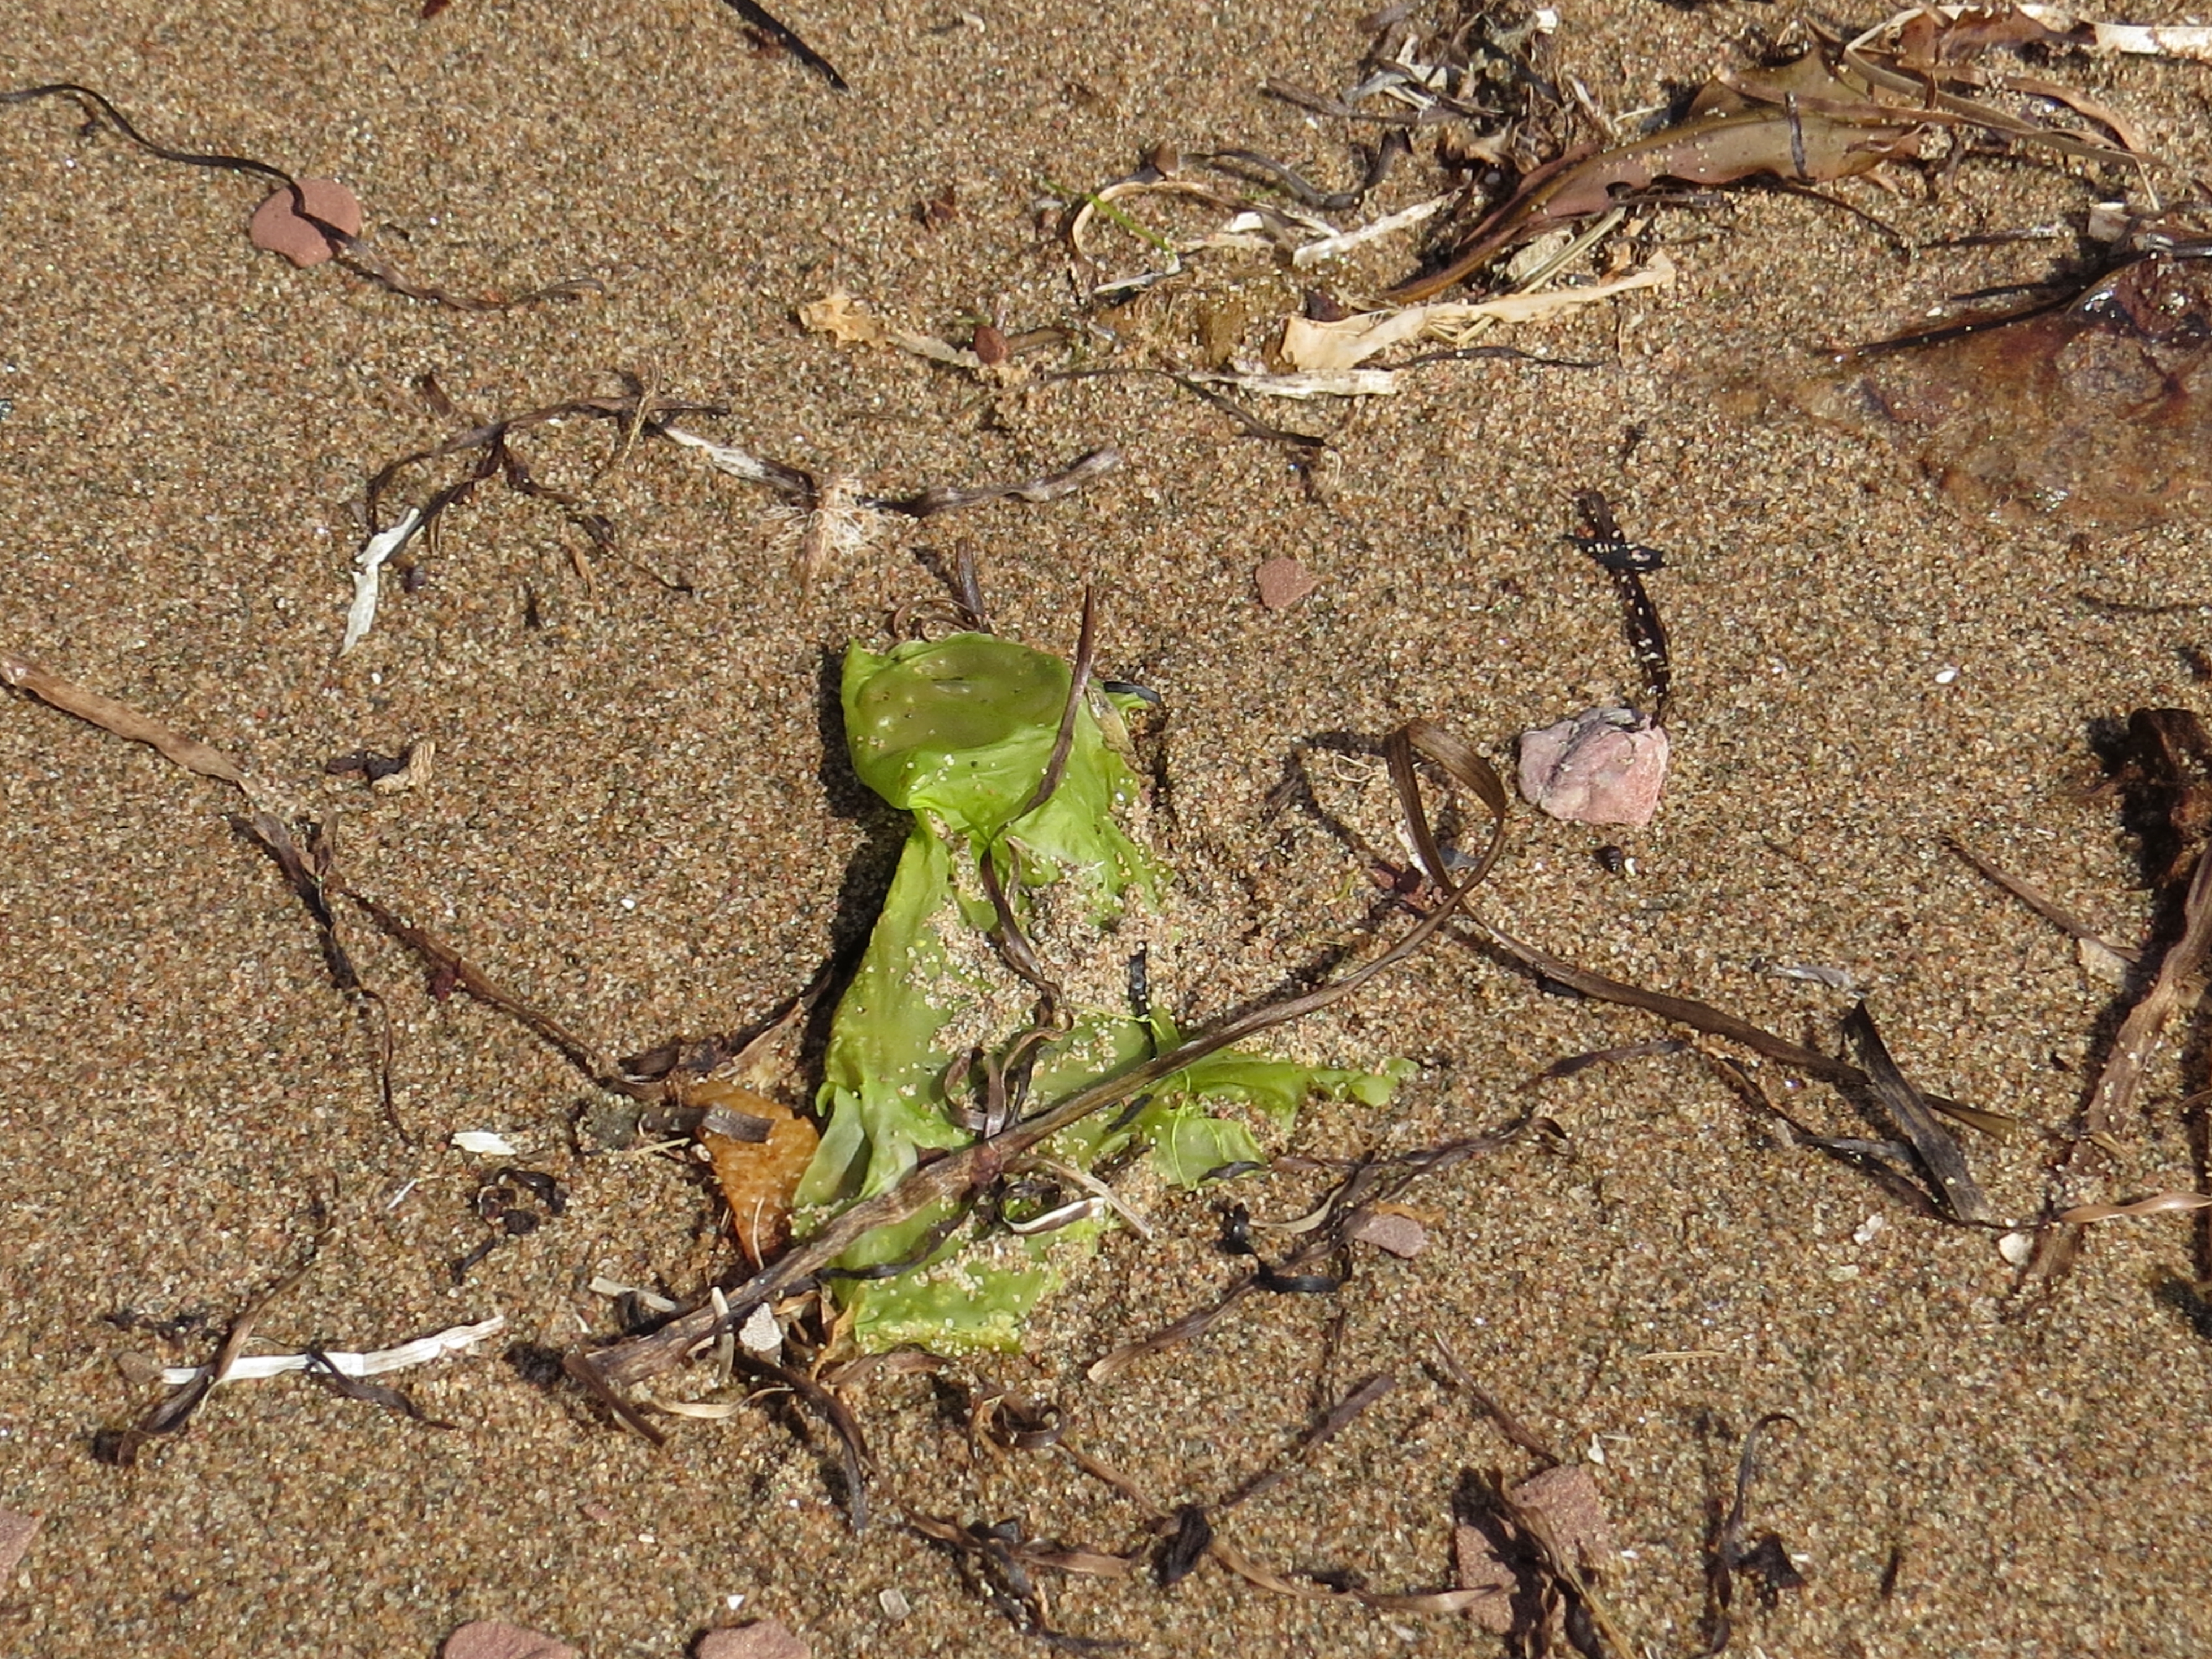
(481, 985)
(784, 36)
(1339, 1416)
(1015, 949)
(1508, 1424)
(853, 1449)
(188, 158)
(1252, 425)
(2038, 901)
(348, 249)
(1375, 1182)
(1078, 681)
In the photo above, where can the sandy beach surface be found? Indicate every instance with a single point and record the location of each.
(641, 817)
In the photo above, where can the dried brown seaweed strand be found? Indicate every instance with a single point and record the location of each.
(348, 249)
(1227, 1555)
(786, 37)
(1338, 1418)
(119, 719)
(2058, 1245)
(1370, 1184)
(1951, 1182)
(2038, 901)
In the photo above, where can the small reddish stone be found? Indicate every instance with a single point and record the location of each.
(764, 1639)
(16, 1532)
(1604, 766)
(495, 1638)
(278, 228)
(1480, 1568)
(1283, 583)
(1386, 1230)
(1567, 1498)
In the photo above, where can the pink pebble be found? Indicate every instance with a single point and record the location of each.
(1283, 582)
(764, 1639)
(16, 1532)
(495, 1638)
(278, 228)
(1604, 766)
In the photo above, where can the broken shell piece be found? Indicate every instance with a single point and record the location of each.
(1604, 766)
(414, 775)
(761, 1334)
(278, 226)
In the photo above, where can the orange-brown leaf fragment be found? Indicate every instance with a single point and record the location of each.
(757, 1177)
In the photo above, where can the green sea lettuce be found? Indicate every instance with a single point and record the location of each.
(959, 732)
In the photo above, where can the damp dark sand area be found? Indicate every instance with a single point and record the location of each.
(640, 815)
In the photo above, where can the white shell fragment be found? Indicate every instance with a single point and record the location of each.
(1604, 766)
(484, 1142)
(375, 1362)
(760, 1333)
(368, 575)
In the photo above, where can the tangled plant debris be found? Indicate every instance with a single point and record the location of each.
(1017, 778)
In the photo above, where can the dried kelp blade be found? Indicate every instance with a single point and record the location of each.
(1464, 765)
(2113, 1096)
(2156, 1204)
(1507, 1424)
(308, 883)
(1923, 34)
(1732, 139)
(1952, 1184)
(1887, 1164)
(121, 719)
